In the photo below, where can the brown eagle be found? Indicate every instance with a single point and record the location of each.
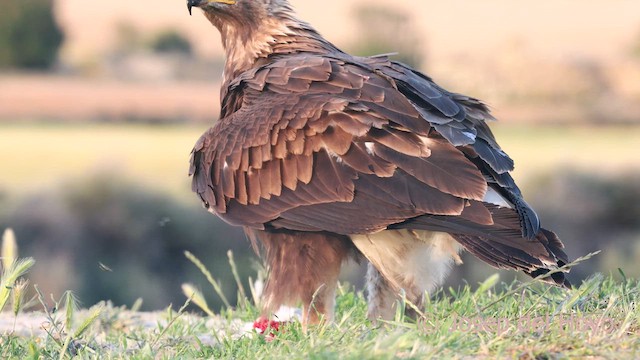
(321, 156)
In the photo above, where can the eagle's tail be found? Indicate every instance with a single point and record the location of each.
(521, 254)
(501, 244)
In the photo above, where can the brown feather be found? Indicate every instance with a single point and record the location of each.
(446, 169)
(359, 159)
(279, 150)
(305, 168)
(296, 146)
(337, 140)
(350, 124)
(290, 172)
(370, 119)
(244, 160)
(265, 180)
(477, 212)
(255, 157)
(320, 72)
(228, 183)
(336, 179)
(276, 180)
(241, 189)
(254, 189)
(401, 141)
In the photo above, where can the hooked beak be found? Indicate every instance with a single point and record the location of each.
(192, 3)
(198, 3)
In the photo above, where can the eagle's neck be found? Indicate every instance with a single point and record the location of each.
(250, 43)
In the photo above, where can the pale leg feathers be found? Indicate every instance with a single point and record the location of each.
(413, 261)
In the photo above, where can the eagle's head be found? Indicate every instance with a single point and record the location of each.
(248, 12)
(255, 29)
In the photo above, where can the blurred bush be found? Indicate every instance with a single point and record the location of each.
(131, 40)
(106, 238)
(384, 30)
(29, 35)
(158, 55)
(128, 38)
(171, 41)
(593, 212)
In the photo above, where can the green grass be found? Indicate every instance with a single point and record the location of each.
(521, 320)
(598, 319)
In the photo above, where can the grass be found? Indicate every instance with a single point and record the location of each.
(598, 319)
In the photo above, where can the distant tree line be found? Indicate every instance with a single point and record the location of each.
(29, 35)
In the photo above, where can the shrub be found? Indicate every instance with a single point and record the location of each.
(171, 41)
(592, 212)
(29, 35)
(108, 239)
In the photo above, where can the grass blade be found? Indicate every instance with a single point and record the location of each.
(18, 292)
(9, 252)
(216, 285)
(242, 295)
(10, 276)
(196, 296)
(88, 321)
(488, 284)
(70, 308)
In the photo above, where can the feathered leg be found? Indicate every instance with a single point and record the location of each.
(404, 260)
(302, 268)
(381, 298)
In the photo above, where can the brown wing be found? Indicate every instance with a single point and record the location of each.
(316, 131)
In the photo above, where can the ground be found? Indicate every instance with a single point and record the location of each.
(598, 319)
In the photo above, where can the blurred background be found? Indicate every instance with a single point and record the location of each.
(101, 102)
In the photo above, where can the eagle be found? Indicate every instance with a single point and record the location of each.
(322, 156)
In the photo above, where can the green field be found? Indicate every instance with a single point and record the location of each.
(36, 156)
(33, 156)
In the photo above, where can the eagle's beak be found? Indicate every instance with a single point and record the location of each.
(196, 3)
(192, 3)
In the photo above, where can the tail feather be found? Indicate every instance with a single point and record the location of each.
(515, 257)
(501, 244)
